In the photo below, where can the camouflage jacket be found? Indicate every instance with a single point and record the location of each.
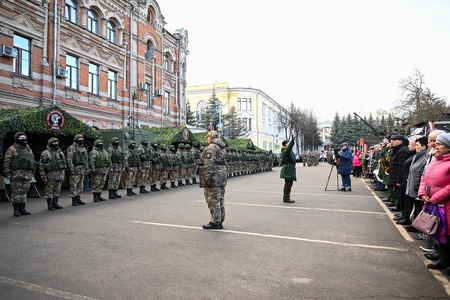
(100, 161)
(213, 170)
(144, 156)
(77, 159)
(12, 159)
(52, 164)
(132, 160)
(117, 158)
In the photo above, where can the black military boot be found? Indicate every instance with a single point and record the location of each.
(142, 190)
(117, 195)
(194, 180)
(164, 187)
(129, 192)
(111, 194)
(188, 182)
(74, 201)
(55, 203)
(16, 210)
(180, 183)
(99, 195)
(22, 209)
(172, 185)
(153, 188)
(50, 204)
(95, 197)
(79, 201)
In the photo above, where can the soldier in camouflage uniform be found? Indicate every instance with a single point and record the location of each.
(196, 153)
(183, 166)
(146, 165)
(213, 178)
(52, 166)
(100, 163)
(19, 167)
(156, 167)
(117, 167)
(132, 166)
(165, 166)
(78, 164)
(175, 165)
(190, 163)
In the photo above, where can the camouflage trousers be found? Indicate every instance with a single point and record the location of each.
(19, 189)
(114, 180)
(215, 198)
(183, 172)
(53, 189)
(154, 176)
(163, 175)
(143, 177)
(195, 171)
(130, 178)
(189, 173)
(98, 182)
(76, 184)
(174, 175)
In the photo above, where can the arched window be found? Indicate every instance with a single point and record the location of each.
(166, 62)
(150, 16)
(92, 21)
(72, 11)
(150, 51)
(111, 35)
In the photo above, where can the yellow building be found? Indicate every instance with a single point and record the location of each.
(255, 109)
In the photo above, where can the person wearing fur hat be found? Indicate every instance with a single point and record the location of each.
(132, 166)
(288, 171)
(78, 164)
(100, 163)
(52, 166)
(117, 167)
(19, 167)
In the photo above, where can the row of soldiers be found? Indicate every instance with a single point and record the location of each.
(243, 162)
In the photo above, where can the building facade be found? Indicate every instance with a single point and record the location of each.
(110, 63)
(255, 110)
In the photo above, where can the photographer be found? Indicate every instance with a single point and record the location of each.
(345, 158)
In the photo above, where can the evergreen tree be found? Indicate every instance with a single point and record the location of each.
(233, 128)
(190, 116)
(211, 117)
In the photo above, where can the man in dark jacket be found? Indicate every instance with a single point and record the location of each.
(345, 167)
(396, 164)
(288, 170)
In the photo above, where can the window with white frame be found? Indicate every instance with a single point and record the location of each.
(167, 100)
(150, 51)
(246, 123)
(93, 79)
(112, 85)
(71, 11)
(148, 95)
(72, 69)
(111, 32)
(244, 104)
(166, 62)
(22, 63)
(92, 21)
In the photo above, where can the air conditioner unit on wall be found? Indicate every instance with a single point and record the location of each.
(61, 72)
(159, 92)
(8, 51)
(142, 86)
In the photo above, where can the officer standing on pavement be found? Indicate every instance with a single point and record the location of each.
(117, 167)
(288, 171)
(213, 178)
(52, 166)
(100, 163)
(78, 164)
(19, 167)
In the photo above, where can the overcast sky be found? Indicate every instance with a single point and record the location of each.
(330, 56)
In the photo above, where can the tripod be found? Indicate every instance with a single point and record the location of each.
(337, 178)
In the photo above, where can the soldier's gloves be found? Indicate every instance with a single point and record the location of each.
(94, 173)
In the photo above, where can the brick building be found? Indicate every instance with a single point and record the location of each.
(111, 64)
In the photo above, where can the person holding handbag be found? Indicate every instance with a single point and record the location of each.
(435, 188)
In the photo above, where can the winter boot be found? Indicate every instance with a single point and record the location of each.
(180, 183)
(153, 188)
(164, 187)
(142, 190)
(79, 201)
(99, 195)
(172, 185)
(194, 180)
(96, 197)
(50, 204)
(74, 201)
(111, 194)
(188, 182)
(55, 203)
(22, 209)
(130, 192)
(16, 210)
(117, 195)
(156, 189)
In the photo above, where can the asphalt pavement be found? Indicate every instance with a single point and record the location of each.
(327, 245)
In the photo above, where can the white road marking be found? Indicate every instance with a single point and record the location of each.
(43, 289)
(339, 194)
(276, 236)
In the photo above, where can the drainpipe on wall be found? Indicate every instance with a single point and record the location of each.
(55, 40)
(162, 81)
(130, 116)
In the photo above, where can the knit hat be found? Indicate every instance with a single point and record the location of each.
(51, 140)
(77, 136)
(16, 136)
(444, 139)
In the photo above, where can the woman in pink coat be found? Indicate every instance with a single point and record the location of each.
(357, 167)
(435, 188)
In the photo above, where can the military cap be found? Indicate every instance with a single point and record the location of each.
(130, 143)
(113, 139)
(77, 136)
(212, 134)
(16, 136)
(51, 140)
(97, 141)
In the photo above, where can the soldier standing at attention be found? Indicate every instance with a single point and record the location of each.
(196, 153)
(19, 167)
(117, 167)
(183, 164)
(165, 167)
(213, 178)
(288, 172)
(52, 166)
(190, 164)
(156, 167)
(132, 166)
(174, 163)
(100, 163)
(78, 163)
(146, 165)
